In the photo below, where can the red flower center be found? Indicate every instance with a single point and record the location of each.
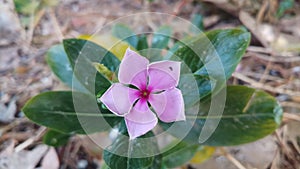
(144, 94)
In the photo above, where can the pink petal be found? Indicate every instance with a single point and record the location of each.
(131, 66)
(163, 75)
(140, 122)
(169, 105)
(119, 99)
(140, 80)
(141, 105)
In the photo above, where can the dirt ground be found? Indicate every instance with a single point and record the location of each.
(271, 63)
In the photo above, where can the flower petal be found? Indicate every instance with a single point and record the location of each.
(132, 65)
(163, 75)
(141, 105)
(119, 99)
(169, 105)
(139, 123)
(140, 80)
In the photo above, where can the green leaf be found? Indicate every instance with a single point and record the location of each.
(132, 154)
(230, 45)
(105, 166)
(55, 138)
(249, 115)
(157, 162)
(83, 54)
(50, 3)
(69, 112)
(201, 53)
(284, 6)
(143, 45)
(161, 37)
(197, 21)
(203, 153)
(26, 7)
(124, 33)
(179, 154)
(59, 63)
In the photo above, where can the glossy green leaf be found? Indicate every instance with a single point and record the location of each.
(179, 154)
(105, 166)
(230, 45)
(203, 51)
(157, 162)
(124, 33)
(59, 63)
(124, 153)
(83, 54)
(161, 37)
(197, 21)
(26, 7)
(55, 138)
(143, 45)
(284, 6)
(203, 153)
(69, 112)
(249, 115)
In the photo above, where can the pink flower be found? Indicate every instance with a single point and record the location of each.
(155, 86)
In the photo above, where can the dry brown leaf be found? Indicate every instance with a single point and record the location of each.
(23, 159)
(7, 113)
(258, 154)
(9, 148)
(10, 27)
(50, 160)
(292, 134)
(263, 32)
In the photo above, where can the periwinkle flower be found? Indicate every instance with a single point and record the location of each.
(154, 89)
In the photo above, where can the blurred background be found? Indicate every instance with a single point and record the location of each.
(28, 28)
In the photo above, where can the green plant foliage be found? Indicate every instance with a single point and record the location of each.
(284, 5)
(58, 61)
(197, 21)
(55, 138)
(56, 110)
(179, 154)
(129, 150)
(201, 51)
(124, 33)
(88, 68)
(87, 53)
(143, 45)
(249, 115)
(161, 37)
(203, 153)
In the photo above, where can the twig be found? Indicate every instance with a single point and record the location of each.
(252, 25)
(291, 116)
(283, 144)
(225, 6)
(261, 12)
(290, 104)
(179, 6)
(267, 77)
(266, 72)
(56, 25)
(288, 59)
(13, 124)
(232, 159)
(31, 140)
(16, 136)
(34, 20)
(259, 49)
(258, 85)
(177, 9)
